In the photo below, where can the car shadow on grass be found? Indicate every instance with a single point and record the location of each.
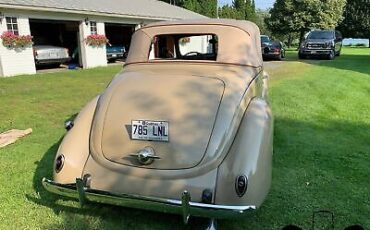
(94, 215)
(317, 165)
(319, 178)
(356, 63)
(352, 62)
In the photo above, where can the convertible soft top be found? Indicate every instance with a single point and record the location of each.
(238, 41)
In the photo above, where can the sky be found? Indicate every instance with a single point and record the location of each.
(260, 4)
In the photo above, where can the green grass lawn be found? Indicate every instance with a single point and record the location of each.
(321, 148)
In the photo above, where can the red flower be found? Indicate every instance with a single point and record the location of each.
(13, 41)
(96, 40)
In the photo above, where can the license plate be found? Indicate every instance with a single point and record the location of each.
(53, 55)
(114, 55)
(313, 52)
(149, 130)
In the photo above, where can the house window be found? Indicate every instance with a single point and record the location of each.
(93, 28)
(12, 25)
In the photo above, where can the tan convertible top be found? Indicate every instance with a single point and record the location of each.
(239, 41)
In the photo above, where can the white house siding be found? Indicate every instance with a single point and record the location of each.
(128, 12)
(21, 61)
(92, 56)
(16, 61)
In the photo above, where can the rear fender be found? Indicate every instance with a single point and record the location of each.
(75, 146)
(250, 156)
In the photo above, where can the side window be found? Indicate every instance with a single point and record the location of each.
(93, 28)
(12, 25)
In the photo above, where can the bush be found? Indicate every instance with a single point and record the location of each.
(361, 45)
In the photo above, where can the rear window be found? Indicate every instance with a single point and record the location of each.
(184, 47)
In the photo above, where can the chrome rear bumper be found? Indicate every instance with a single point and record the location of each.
(184, 207)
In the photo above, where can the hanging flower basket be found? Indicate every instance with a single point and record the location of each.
(96, 40)
(11, 40)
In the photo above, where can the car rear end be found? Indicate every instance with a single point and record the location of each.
(271, 49)
(115, 52)
(45, 55)
(271, 52)
(166, 151)
(192, 137)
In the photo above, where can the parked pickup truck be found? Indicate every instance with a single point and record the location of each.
(321, 43)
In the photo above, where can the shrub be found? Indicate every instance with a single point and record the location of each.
(361, 45)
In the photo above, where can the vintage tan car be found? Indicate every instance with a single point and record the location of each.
(185, 128)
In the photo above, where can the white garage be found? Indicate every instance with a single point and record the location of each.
(68, 23)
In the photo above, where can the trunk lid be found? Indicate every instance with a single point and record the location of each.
(188, 103)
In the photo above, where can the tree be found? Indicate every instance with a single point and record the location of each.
(227, 11)
(250, 11)
(205, 7)
(300, 16)
(356, 23)
(174, 2)
(245, 10)
(208, 8)
(240, 9)
(254, 5)
(260, 21)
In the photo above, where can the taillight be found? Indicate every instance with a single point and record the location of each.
(241, 185)
(59, 163)
(34, 52)
(276, 50)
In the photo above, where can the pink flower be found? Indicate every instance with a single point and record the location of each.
(96, 40)
(12, 41)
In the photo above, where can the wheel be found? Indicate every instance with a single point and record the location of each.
(338, 54)
(331, 55)
(301, 56)
(282, 53)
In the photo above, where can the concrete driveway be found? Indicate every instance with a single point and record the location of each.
(269, 65)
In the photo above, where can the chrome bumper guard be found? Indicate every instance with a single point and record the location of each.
(184, 207)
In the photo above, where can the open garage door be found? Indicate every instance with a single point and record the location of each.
(55, 42)
(119, 36)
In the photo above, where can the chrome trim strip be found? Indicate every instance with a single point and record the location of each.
(182, 207)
